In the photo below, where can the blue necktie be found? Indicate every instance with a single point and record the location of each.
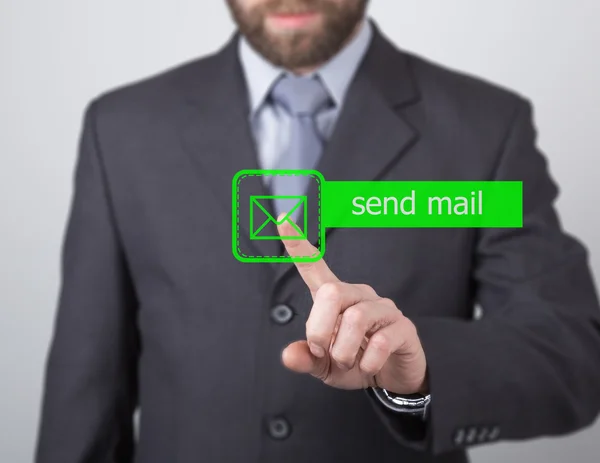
(302, 98)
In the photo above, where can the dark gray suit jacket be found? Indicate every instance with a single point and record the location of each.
(156, 312)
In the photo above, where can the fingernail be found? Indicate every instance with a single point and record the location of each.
(316, 350)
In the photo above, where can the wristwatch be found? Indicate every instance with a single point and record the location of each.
(411, 404)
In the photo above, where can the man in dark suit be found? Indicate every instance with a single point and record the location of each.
(384, 359)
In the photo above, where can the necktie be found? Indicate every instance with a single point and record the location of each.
(302, 98)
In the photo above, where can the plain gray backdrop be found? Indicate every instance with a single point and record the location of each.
(55, 55)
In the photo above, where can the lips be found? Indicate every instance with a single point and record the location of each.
(294, 19)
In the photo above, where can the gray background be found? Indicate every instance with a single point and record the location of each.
(56, 55)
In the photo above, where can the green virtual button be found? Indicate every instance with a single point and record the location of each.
(255, 224)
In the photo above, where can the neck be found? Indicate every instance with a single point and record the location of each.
(307, 70)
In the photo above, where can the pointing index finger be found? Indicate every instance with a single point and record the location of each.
(314, 274)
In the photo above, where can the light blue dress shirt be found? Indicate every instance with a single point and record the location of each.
(270, 124)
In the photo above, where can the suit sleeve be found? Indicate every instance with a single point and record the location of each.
(90, 381)
(530, 367)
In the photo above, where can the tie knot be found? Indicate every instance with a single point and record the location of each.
(301, 96)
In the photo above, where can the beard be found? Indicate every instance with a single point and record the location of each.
(301, 47)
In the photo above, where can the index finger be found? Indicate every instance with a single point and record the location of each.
(314, 274)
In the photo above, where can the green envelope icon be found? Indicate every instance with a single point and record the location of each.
(260, 217)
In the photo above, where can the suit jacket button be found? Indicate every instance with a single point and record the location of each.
(459, 437)
(494, 433)
(483, 434)
(282, 314)
(279, 428)
(471, 436)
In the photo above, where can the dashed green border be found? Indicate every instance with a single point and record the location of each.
(235, 239)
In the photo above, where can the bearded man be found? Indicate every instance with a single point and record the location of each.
(369, 355)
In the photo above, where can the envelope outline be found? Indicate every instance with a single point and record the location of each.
(302, 235)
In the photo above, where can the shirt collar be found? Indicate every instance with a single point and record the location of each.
(336, 74)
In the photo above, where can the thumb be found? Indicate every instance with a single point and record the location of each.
(297, 357)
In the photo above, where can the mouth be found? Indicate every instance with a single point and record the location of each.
(293, 20)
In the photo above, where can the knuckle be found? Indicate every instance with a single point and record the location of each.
(342, 358)
(387, 301)
(317, 335)
(330, 292)
(369, 368)
(293, 244)
(306, 267)
(380, 342)
(318, 338)
(355, 316)
(367, 289)
(409, 327)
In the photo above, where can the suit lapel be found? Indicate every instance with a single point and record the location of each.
(216, 134)
(371, 134)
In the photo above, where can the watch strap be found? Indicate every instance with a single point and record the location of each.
(411, 404)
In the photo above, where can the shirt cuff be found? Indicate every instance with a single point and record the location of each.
(409, 429)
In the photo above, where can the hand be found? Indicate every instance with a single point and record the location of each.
(355, 339)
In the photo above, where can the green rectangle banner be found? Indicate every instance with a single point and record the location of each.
(425, 204)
